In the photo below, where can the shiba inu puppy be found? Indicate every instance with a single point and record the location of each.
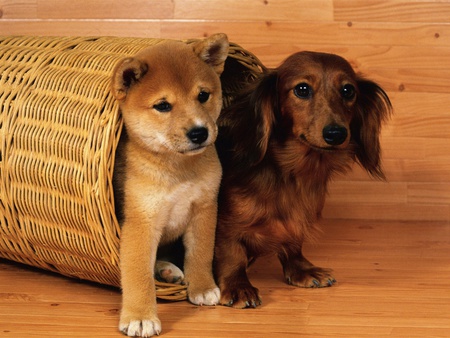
(167, 171)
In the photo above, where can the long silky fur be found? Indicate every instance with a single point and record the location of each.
(274, 185)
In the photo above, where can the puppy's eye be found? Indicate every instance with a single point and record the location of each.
(163, 107)
(348, 92)
(303, 90)
(203, 96)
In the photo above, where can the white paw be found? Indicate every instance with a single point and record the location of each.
(208, 297)
(168, 273)
(144, 328)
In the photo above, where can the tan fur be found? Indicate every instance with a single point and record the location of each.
(169, 183)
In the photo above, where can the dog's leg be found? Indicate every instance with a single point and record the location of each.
(298, 271)
(231, 272)
(199, 246)
(137, 259)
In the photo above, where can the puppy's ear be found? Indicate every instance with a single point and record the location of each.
(246, 135)
(373, 108)
(213, 50)
(126, 73)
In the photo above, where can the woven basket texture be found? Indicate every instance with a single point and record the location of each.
(59, 129)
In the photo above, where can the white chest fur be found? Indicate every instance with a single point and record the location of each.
(166, 203)
(165, 197)
(180, 203)
(167, 210)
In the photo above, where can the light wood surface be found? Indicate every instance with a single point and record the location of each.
(404, 45)
(393, 281)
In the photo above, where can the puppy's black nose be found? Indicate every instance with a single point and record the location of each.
(334, 135)
(197, 135)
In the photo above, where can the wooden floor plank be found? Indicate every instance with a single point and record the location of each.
(393, 281)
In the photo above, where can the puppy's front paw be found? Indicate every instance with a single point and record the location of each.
(207, 297)
(140, 328)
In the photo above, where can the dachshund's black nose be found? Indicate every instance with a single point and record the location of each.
(334, 135)
(197, 135)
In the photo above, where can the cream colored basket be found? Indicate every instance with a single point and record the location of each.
(59, 128)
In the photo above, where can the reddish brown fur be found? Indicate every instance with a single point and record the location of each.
(277, 165)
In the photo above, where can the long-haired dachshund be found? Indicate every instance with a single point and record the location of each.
(279, 144)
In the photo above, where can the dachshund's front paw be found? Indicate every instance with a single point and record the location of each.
(240, 298)
(140, 327)
(313, 277)
(207, 297)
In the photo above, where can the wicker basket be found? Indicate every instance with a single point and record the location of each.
(59, 130)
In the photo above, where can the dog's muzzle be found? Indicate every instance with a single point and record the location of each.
(334, 135)
(197, 135)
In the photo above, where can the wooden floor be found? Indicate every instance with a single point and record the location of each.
(393, 280)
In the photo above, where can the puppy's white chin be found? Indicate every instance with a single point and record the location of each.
(195, 151)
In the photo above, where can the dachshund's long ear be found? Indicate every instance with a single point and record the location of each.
(247, 124)
(265, 102)
(373, 108)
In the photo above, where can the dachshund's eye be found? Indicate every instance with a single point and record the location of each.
(303, 90)
(348, 92)
(203, 96)
(163, 107)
